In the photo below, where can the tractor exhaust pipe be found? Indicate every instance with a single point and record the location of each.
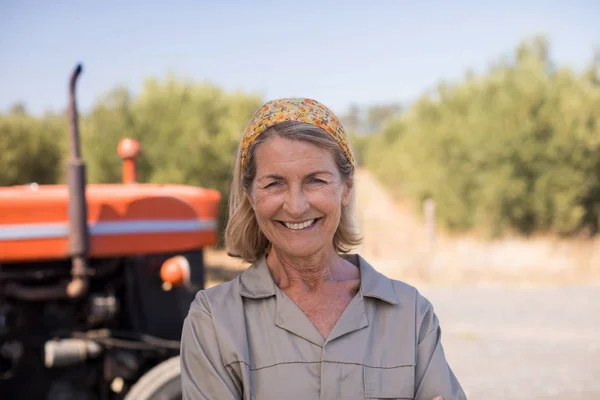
(76, 183)
(78, 229)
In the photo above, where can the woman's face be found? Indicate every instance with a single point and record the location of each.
(297, 196)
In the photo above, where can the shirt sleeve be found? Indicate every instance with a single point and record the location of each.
(203, 375)
(433, 375)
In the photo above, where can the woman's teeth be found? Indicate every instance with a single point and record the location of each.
(300, 225)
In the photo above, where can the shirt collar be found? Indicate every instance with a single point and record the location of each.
(372, 282)
(257, 283)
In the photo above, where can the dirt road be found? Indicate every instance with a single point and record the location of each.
(534, 343)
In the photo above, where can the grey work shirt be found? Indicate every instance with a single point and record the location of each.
(245, 339)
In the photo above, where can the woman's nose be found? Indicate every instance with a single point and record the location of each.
(296, 203)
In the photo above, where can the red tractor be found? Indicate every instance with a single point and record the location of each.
(96, 280)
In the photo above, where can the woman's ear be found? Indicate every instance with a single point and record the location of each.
(348, 187)
(250, 199)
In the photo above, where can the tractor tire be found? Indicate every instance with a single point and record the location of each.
(162, 382)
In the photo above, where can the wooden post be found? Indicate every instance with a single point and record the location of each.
(430, 222)
(430, 227)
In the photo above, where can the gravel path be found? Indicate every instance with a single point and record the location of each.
(507, 343)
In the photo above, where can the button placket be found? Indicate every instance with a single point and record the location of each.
(330, 377)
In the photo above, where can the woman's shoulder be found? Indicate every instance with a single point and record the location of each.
(227, 299)
(218, 298)
(407, 290)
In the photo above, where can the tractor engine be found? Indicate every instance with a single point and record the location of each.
(96, 346)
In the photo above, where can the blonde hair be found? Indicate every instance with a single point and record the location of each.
(243, 237)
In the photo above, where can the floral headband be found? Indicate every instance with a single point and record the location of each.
(294, 109)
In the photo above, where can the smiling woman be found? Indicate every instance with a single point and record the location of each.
(301, 161)
(307, 319)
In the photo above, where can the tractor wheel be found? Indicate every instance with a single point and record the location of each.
(162, 382)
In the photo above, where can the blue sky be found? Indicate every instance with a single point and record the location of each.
(337, 52)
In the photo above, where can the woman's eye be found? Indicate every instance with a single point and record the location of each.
(316, 180)
(272, 184)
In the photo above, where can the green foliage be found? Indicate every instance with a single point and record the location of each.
(359, 144)
(361, 122)
(364, 121)
(189, 134)
(517, 149)
(31, 148)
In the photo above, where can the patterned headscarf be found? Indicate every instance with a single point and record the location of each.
(294, 109)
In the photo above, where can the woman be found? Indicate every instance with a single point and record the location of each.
(307, 320)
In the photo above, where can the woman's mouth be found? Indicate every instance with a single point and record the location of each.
(297, 226)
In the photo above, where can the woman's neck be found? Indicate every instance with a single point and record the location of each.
(307, 273)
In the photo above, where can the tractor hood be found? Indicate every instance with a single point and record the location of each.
(123, 220)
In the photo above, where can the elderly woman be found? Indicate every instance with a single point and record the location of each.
(307, 320)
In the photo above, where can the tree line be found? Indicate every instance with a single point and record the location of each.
(514, 149)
